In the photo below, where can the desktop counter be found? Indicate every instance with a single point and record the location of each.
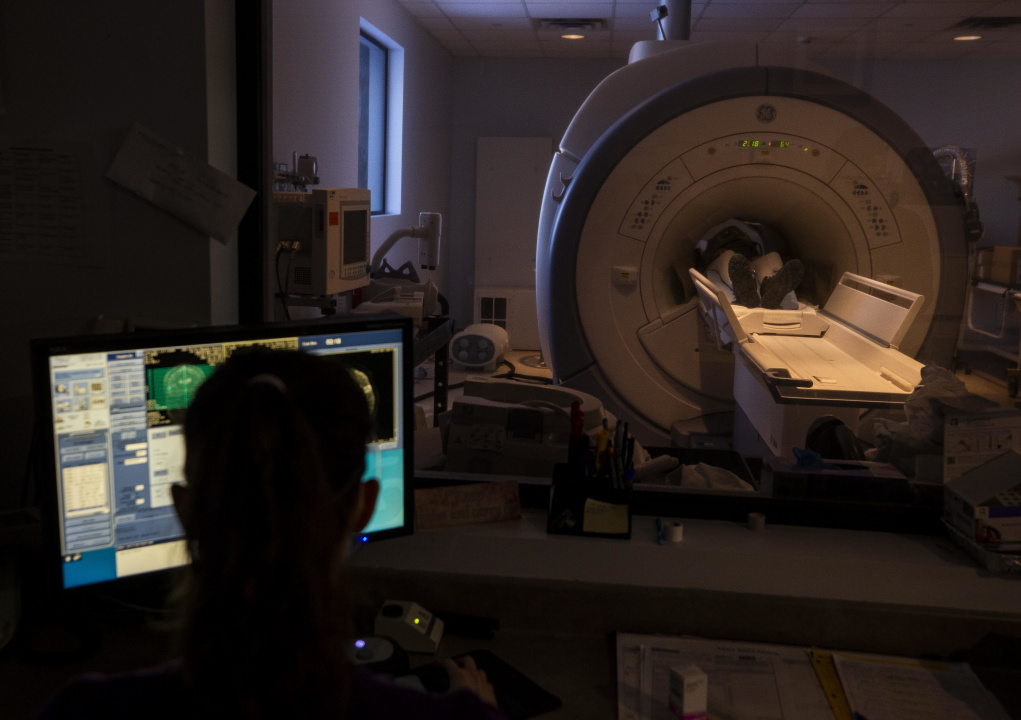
(559, 597)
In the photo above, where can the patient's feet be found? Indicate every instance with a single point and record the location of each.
(742, 279)
(776, 287)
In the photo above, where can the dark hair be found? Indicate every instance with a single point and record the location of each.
(275, 453)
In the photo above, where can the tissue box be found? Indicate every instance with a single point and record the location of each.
(689, 693)
(984, 504)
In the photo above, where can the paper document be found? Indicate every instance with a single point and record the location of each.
(186, 187)
(747, 681)
(891, 688)
(51, 207)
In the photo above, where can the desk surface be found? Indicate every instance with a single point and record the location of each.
(780, 561)
(839, 589)
(557, 596)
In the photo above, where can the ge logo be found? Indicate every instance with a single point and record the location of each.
(766, 113)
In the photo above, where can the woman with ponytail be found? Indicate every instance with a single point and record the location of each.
(275, 456)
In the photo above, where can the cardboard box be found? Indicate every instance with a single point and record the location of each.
(1000, 264)
(971, 440)
(984, 503)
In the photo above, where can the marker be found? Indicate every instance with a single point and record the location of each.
(602, 438)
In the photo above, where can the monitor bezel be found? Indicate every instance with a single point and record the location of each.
(45, 469)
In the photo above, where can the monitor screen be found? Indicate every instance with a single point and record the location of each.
(111, 410)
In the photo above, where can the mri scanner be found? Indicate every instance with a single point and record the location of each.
(687, 136)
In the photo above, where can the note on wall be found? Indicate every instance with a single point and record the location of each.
(186, 187)
(50, 205)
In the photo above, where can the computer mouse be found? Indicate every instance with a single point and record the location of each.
(378, 654)
(370, 650)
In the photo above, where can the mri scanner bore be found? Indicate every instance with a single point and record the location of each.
(685, 139)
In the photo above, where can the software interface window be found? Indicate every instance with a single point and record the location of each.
(119, 443)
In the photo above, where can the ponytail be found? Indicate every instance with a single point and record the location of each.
(274, 462)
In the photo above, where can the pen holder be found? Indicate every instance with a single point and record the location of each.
(582, 505)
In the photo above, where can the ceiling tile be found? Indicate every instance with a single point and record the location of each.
(1002, 9)
(758, 10)
(843, 10)
(880, 37)
(493, 23)
(816, 38)
(809, 25)
(477, 9)
(423, 9)
(570, 10)
(436, 23)
(729, 37)
(737, 24)
(937, 9)
(504, 36)
(932, 24)
(501, 50)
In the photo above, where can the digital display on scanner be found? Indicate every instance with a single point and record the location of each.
(764, 143)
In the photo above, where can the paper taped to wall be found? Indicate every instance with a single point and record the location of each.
(51, 209)
(186, 187)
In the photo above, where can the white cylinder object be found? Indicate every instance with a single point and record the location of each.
(479, 345)
(675, 532)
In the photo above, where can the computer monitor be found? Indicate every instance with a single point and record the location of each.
(110, 409)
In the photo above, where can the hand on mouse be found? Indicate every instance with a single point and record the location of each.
(464, 674)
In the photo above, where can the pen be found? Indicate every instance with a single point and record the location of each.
(602, 438)
(577, 421)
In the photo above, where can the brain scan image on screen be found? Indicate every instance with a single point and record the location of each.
(180, 385)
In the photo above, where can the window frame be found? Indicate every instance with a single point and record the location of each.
(366, 120)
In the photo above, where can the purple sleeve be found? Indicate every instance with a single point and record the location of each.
(154, 693)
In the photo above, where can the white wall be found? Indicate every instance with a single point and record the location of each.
(975, 104)
(971, 103)
(315, 106)
(221, 121)
(80, 75)
(504, 97)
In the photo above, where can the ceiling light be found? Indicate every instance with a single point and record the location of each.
(573, 28)
(968, 37)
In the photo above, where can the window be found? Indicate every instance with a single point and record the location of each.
(373, 93)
